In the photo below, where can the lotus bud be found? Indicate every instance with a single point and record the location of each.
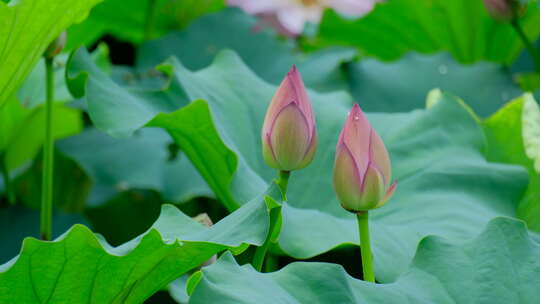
(56, 46)
(501, 9)
(289, 137)
(362, 172)
(204, 219)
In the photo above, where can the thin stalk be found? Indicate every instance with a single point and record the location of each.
(283, 182)
(150, 17)
(260, 253)
(7, 181)
(271, 263)
(535, 54)
(275, 213)
(48, 156)
(365, 246)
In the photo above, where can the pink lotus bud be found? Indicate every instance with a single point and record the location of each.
(56, 46)
(501, 9)
(289, 138)
(362, 172)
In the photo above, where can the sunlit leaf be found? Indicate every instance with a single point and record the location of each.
(23, 38)
(22, 130)
(81, 267)
(513, 135)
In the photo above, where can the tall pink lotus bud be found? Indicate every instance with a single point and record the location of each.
(289, 137)
(362, 172)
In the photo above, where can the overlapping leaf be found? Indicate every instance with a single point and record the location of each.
(23, 38)
(142, 161)
(79, 267)
(265, 54)
(434, 152)
(462, 27)
(501, 265)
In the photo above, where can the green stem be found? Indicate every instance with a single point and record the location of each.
(535, 54)
(48, 156)
(260, 253)
(275, 213)
(283, 182)
(7, 180)
(271, 263)
(150, 17)
(365, 246)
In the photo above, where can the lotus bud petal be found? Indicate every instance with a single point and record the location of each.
(56, 46)
(362, 171)
(289, 137)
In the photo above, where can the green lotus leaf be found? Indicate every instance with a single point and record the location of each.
(129, 22)
(142, 161)
(22, 130)
(492, 268)
(80, 266)
(434, 152)
(267, 55)
(461, 27)
(23, 38)
(402, 85)
(513, 135)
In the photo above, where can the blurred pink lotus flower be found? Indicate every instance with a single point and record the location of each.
(500, 9)
(289, 136)
(293, 14)
(362, 171)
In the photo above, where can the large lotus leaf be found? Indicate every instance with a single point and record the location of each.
(501, 265)
(513, 135)
(22, 130)
(120, 110)
(80, 267)
(267, 55)
(434, 152)
(462, 27)
(26, 29)
(142, 161)
(129, 22)
(402, 85)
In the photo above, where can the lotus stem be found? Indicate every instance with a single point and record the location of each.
(48, 155)
(283, 182)
(535, 54)
(275, 213)
(7, 180)
(150, 17)
(365, 246)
